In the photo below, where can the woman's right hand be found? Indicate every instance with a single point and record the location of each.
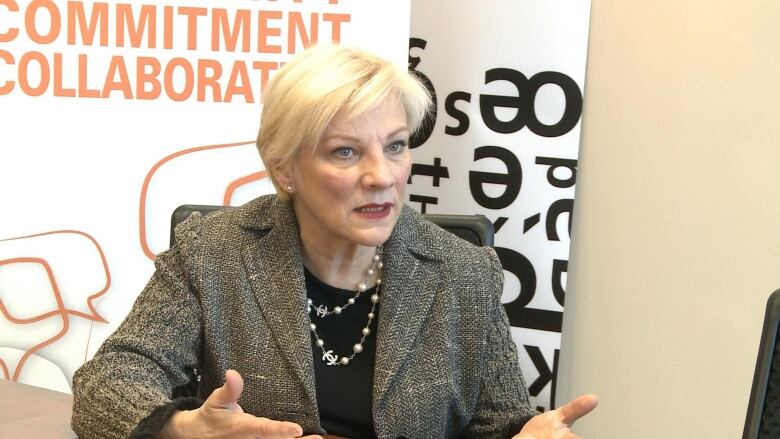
(220, 416)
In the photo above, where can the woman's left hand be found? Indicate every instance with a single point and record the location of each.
(555, 424)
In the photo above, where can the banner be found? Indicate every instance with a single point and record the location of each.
(508, 76)
(113, 114)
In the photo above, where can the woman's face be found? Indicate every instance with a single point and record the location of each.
(350, 190)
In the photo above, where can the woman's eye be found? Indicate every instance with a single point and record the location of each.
(397, 146)
(343, 152)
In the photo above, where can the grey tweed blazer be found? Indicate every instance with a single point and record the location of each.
(231, 295)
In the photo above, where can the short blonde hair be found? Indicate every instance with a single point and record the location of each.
(303, 97)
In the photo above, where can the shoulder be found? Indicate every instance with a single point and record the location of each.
(233, 224)
(460, 257)
(215, 244)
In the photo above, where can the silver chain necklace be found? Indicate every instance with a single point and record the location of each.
(328, 356)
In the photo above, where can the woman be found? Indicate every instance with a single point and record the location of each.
(328, 308)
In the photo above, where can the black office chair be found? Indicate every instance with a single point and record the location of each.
(763, 415)
(475, 229)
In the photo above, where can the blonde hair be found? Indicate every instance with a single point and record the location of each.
(301, 99)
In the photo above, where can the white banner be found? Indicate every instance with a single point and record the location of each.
(114, 113)
(509, 78)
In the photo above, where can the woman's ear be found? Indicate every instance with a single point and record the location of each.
(284, 176)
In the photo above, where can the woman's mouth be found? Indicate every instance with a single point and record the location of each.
(374, 211)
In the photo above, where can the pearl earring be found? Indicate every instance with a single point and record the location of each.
(289, 188)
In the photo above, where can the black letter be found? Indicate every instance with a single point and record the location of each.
(559, 267)
(555, 210)
(463, 118)
(415, 43)
(521, 102)
(436, 170)
(512, 179)
(546, 375)
(425, 129)
(572, 111)
(423, 200)
(517, 310)
(556, 163)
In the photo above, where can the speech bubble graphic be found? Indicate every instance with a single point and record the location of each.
(226, 174)
(45, 280)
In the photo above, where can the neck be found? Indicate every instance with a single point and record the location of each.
(339, 265)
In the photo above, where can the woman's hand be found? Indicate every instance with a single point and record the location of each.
(220, 416)
(555, 424)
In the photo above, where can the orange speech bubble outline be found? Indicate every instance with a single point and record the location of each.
(61, 310)
(95, 316)
(228, 196)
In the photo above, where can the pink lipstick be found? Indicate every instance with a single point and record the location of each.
(374, 211)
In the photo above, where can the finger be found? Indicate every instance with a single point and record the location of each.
(578, 408)
(227, 395)
(270, 429)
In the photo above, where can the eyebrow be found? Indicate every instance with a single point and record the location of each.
(356, 140)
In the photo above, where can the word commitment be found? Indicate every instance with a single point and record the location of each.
(148, 51)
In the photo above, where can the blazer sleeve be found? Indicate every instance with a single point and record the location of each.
(154, 351)
(503, 406)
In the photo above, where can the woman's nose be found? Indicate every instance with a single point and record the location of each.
(378, 173)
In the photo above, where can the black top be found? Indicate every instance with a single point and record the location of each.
(343, 392)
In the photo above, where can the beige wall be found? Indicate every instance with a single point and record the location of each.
(676, 241)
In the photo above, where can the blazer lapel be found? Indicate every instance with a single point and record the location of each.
(277, 282)
(409, 286)
(410, 281)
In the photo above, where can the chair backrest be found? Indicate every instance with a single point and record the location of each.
(763, 414)
(475, 229)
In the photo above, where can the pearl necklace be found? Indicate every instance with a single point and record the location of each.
(328, 356)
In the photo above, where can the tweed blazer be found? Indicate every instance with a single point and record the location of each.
(231, 295)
